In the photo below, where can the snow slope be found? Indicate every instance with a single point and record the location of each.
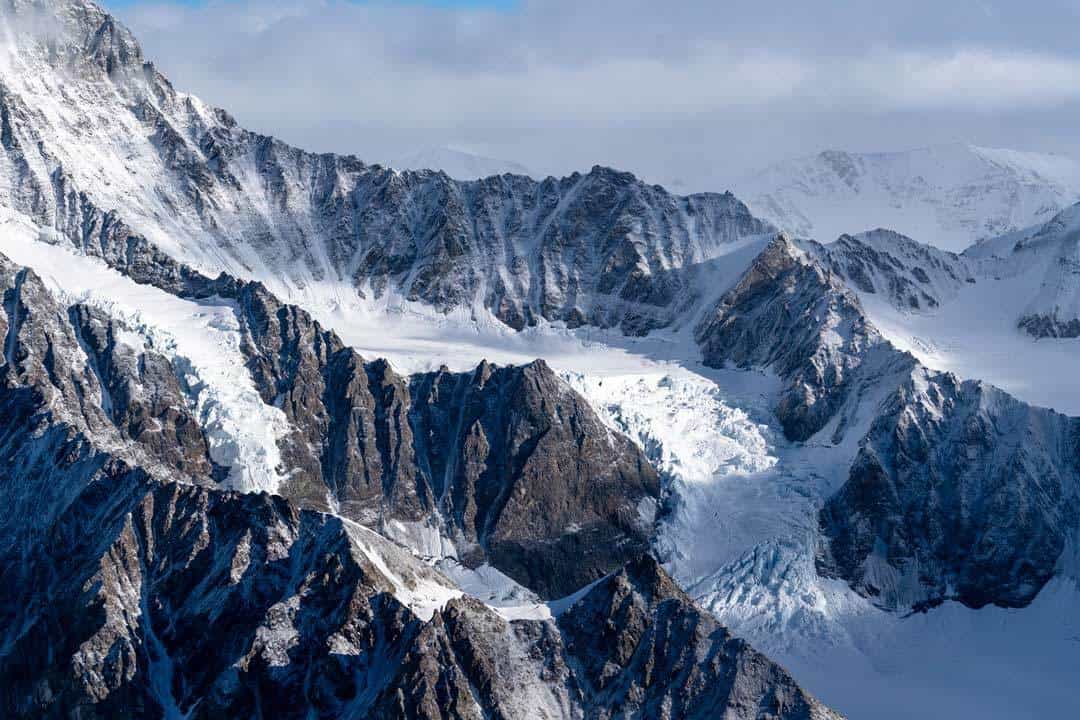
(975, 336)
(949, 196)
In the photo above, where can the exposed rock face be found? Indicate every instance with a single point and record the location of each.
(171, 600)
(611, 647)
(509, 462)
(792, 315)
(910, 275)
(958, 492)
(142, 396)
(167, 599)
(1049, 326)
(637, 627)
(56, 438)
(534, 477)
(601, 248)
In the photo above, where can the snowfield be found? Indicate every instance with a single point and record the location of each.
(975, 336)
(975, 330)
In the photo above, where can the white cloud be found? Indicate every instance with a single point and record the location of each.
(966, 79)
(637, 84)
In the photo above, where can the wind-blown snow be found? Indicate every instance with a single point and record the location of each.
(201, 339)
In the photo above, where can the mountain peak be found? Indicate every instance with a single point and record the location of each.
(77, 34)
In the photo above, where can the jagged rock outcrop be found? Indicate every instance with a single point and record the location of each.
(68, 365)
(56, 436)
(960, 492)
(166, 598)
(791, 314)
(142, 395)
(637, 626)
(509, 462)
(172, 600)
(908, 274)
(611, 648)
(1031, 275)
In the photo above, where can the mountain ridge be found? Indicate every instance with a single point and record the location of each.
(600, 248)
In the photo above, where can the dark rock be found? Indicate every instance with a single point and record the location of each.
(792, 315)
(958, 492)
(509, 461)
(142, 396)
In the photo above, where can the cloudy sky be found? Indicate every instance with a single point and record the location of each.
(691, 92)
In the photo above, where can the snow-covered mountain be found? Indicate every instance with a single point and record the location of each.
(1047, 257)
(459, 164)
(139, 583)
(136, 587)
(949, 196)
(1005, 310)
(600, 248)
(276, 438)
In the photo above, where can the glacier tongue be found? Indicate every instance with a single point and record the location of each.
(201, 338)
(710, 452)
(739, 525)
(740, 534)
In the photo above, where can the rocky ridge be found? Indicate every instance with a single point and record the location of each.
(957, 491)
(508, 462)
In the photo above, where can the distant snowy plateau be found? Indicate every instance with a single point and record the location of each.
(292, 435)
